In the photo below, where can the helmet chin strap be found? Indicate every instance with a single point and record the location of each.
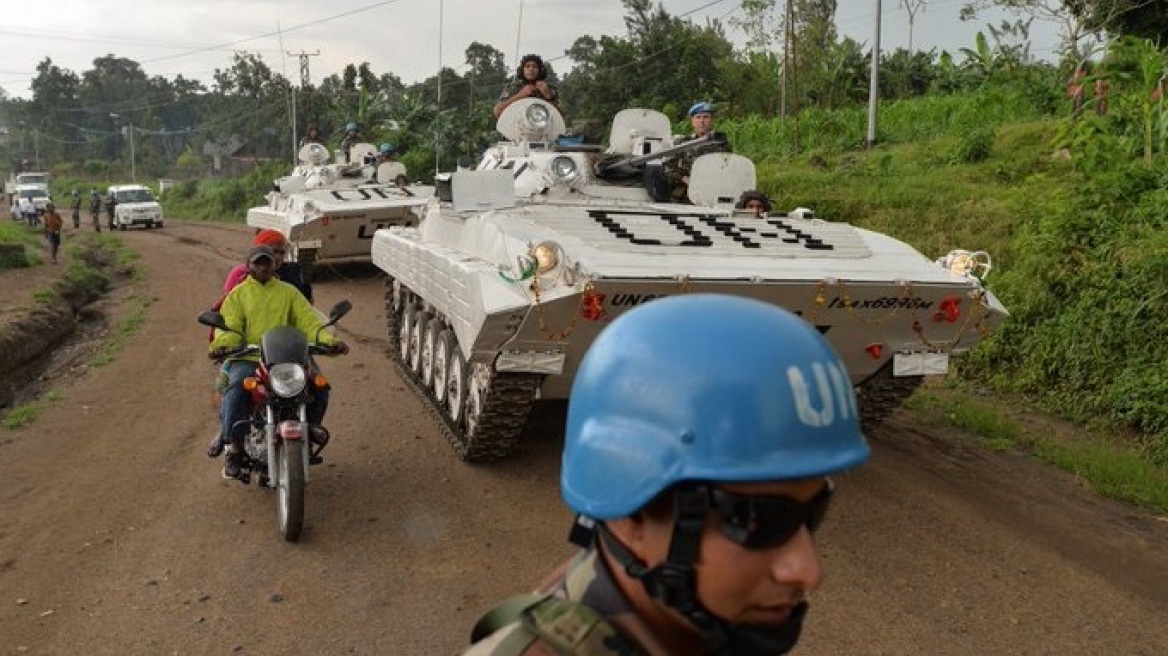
(674, 584)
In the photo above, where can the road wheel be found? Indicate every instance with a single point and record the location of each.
(290, 490)
(443, 349)
(404, 330)
(417, 330)
(477, 389)
(429, 340)
(456, 374)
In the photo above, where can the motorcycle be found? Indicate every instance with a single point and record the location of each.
(277, 447)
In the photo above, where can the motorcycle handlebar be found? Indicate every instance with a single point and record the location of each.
(327, 349)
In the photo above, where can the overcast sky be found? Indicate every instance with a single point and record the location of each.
(194, 37)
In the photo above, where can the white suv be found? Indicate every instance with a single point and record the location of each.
(134, 205)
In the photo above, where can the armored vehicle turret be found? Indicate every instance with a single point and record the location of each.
(329, 212)
(494, 296)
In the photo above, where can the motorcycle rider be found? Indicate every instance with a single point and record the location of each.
(701, 433)
(258, 304)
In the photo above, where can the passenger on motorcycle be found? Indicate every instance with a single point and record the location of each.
(258, 304)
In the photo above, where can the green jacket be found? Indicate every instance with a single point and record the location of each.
(581, 613)
(253, 308)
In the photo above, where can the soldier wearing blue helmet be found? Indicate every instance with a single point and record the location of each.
(701, 433)
(676, 170)
(352, 138)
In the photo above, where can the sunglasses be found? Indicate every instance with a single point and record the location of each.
(764, 522)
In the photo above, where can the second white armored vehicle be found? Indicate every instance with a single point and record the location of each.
(494, 297)
(329, 212)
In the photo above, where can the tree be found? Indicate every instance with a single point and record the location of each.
(814, 35)
(54, 98)
(1079, 20)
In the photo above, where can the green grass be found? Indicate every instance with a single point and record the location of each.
(126, 328)
(16, 235)
(23, 415)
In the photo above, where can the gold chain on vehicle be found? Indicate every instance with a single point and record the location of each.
(565, 333)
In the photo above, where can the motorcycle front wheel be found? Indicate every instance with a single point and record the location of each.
(290, 490)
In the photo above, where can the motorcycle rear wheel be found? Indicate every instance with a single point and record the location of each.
(290, 490)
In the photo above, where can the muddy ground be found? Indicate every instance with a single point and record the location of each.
(117, 535)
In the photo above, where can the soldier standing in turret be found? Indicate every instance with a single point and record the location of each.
(701, 118)
(530, 82)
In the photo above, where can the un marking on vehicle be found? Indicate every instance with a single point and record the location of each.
(366, 230)
(694, 230)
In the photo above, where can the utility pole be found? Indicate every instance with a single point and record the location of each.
(911, 7)
(305, 81)
(789, 15)
(874, 88)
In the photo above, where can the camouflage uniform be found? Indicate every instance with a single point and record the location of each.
(513, 87)
(676, 169)
(600, 622)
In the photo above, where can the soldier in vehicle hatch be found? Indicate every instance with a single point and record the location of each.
(677, 169)
(530, 82)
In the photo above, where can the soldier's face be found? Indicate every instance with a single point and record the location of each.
(702, 123)
(755, 206)
(531, 71)
(740, 584)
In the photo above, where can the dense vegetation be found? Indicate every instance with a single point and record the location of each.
(976, 150)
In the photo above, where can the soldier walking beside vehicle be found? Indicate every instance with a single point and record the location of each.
(111, 203)
(701, 433)
(75, 208)
(95, 209)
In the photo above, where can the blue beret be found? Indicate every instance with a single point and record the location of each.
(701, 108)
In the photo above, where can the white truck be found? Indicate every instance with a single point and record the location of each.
(29, 189)
(134, 205)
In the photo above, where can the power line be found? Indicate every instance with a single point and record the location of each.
(301, 26)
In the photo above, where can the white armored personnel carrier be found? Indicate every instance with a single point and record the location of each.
(494, 296)
(329, 212)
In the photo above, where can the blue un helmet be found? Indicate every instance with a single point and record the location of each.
(351, 127)
(701, 108)
(386, 149)
(704, 387)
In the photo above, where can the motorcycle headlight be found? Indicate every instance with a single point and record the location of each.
(287, 379)
(538, 116)
(564, 169)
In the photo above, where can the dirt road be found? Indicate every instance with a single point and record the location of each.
(117, 535)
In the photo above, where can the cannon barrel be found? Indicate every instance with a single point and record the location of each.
(633, 163)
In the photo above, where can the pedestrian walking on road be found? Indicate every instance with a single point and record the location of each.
(53, 226)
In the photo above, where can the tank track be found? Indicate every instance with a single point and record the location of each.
(883, 393)
(508, 402)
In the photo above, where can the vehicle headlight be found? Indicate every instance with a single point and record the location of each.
(564, 169)
(538, 116)
(546, 256)
(287, 379)
(317, 154)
